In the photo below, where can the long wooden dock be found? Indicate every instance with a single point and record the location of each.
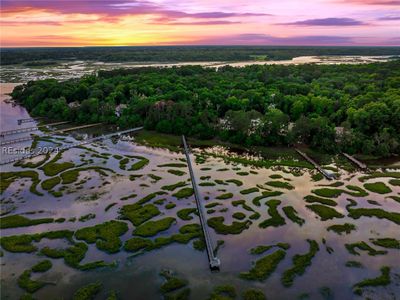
(29, 129)
(28, 138)
(355, 161)
(214, 262)
(28, 120)
(18, 140)
(69, 146)
(326, 174)
(76, 128)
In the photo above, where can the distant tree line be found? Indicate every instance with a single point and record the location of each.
(355, 108)
(46, 56)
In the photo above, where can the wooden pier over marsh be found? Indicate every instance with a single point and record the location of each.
(29, 129)
(326, 174)
(355, 161)
(214, 261)
(31, 137)
(69, 146)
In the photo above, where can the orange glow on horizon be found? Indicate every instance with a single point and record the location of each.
(128, 23)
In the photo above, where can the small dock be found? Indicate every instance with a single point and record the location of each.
(355, 161)
(29, 129)
(69, 146)
(28, 138)
(326, 174)
(76, 128)
(214, 262)
(14, 141)
(28, 120)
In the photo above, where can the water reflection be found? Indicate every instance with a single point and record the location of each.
(138, 277)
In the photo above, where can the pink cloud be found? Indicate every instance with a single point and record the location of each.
(373, 2)
(115, 8)
(265, 39)
(212, 22)
(327, 22)
(390, 18)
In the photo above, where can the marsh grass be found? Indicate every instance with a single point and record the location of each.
(292, 215)
(389, 243)
(224, 196)
(382, 280)
(172, 187)
(154, 177)
(88, 291)
(171, 283)
(50, 183)
(249, 191)
(357, 213)
(324, 212)
(253, 294)
(186, 234)
(176, 172)
(300, 264)
(105, 235)
(363, 246)
(275, 219)
(262, 249)
(265, 194)
(183, 193)
(315, 199)
(173, 165)
(378, 187)
(342, 228)
(223, 292)
(235, 181)
(15, 221)
(185, 213)
(170, 205)
(264, 267)
(7, 178)
(217, 223)
(280, 184)
(152, 228)
(380, 175)
(139, 214)
(354, 264)
(239, 216)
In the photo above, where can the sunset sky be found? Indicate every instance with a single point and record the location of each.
(199, 22)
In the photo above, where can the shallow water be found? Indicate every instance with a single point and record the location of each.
(9, 111)
(138, 277)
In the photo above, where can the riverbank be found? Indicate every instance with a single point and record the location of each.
(271, 156)
(63, 70)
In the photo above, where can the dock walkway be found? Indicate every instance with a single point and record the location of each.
(213, 260)
(326, 174)
(28, 138)
(28, 129)
(28, 120)
(355, 161)
(69, 146)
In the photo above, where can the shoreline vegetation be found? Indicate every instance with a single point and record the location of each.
(263, 156)
(39, 57)
(328, 108)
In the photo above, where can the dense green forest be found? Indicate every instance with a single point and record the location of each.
(254, 105)
(46, 56)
